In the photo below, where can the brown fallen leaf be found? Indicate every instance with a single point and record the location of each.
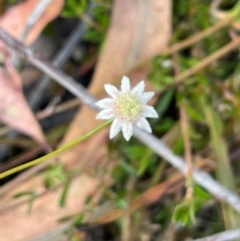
(15, 19)
(44, 209)
(139, 30)
(14, 110)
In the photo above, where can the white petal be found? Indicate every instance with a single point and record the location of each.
(127, 130)
(143, 124)
(111, 90)
(105, 103)
(149, 111)
(115, 128)
(139, 88)
(126, 87)
(146, 97)
(105, 114)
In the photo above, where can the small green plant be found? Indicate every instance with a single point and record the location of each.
(185, 212)
(74, 8)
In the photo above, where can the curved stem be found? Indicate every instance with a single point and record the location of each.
(56, 152)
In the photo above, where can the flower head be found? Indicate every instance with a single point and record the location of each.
(127, 107)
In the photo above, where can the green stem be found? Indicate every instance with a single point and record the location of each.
(56, 152)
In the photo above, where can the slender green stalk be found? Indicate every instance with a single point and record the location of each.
(56, 152)
(224, 172)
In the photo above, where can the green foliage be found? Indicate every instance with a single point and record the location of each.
(101, 20)
(127, 168)
(55, 175)
(165, 102)
(31, 195)
(161, 72)
(74, 8)
(63, 198)
(97, 23)
(141, 158)
(11, 2)
(184, 212)
(122, 203)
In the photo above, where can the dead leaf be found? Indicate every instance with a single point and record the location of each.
(45, 212)
(14, 110)
(139, 30)
(13, 107)
(15, 19)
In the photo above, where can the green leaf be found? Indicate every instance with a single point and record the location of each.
(63, 198)
(121, 203)
(128, 168)
(55, 175)
(178, 146)
(79, 220)
(201, 193)
(74, 8)
(32, 197)
(27, 193)
(165, 102)
(145, 162)
(194, 114)
(183, 213)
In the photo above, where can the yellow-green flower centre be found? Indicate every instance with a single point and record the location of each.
(127, 107)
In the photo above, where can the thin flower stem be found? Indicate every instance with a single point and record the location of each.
(56, 152)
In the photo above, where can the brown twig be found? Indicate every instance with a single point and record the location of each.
(187, 150)
(184, 122)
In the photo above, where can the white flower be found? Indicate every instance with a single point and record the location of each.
(127, 107)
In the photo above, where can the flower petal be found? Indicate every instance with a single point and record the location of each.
(138, 89)
(145, 97)
(127, 130)
(149, 111)
(111, 90)
(142, 123)
(105, 114)
(115, 128)
(105, 103)
(126, 87)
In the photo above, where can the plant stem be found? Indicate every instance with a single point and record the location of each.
(56, 152)
(224, 171)
(187, 151)
(198, 37)
(183, 76)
